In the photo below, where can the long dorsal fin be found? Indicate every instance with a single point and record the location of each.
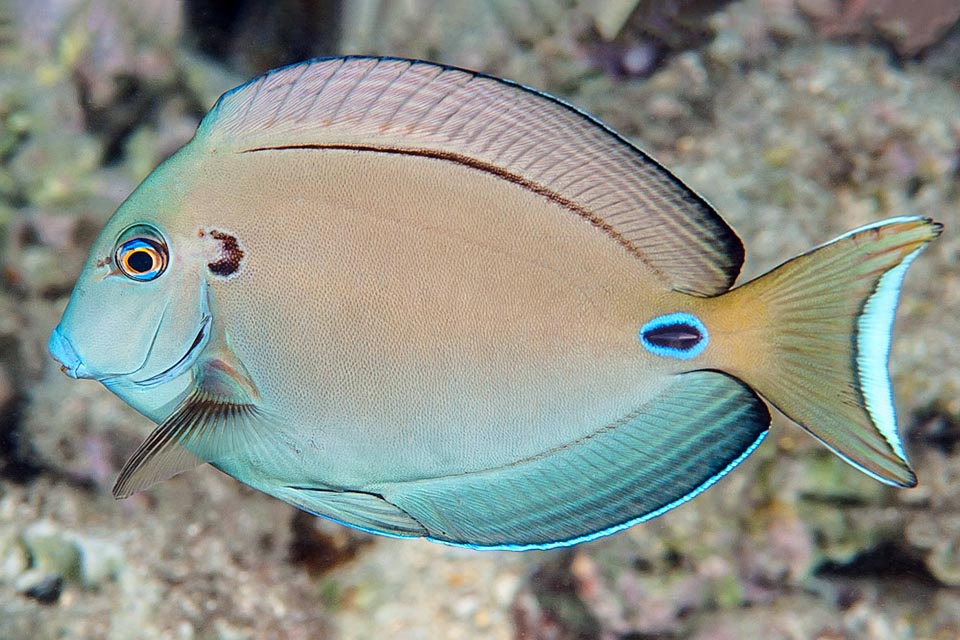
(528, 137)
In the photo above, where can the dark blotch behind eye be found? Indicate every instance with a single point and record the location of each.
(681, 337)
(230, 254)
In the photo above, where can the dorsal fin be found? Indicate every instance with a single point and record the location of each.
(528, 137)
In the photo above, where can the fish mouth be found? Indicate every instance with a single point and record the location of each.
(186, 360)
(63, 352)
(72, 364)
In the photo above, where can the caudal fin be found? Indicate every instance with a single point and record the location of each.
(820, 326)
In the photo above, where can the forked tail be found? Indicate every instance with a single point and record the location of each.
(818, 331)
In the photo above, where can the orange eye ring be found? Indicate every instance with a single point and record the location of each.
(142, 259)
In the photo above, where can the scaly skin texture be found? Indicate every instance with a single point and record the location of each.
(462, 323)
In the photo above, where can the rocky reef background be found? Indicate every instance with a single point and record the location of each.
(798, 119)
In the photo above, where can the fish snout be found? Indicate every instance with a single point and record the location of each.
(64, 353)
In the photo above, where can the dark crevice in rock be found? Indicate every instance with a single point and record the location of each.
(319, 545)
(888, 560)
(256, 36)
(17, 463)
(936, 428)
(560, 612)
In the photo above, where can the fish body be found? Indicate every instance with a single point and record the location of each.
(427, 302)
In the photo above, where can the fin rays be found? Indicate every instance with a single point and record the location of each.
(653, 460)
(361, 510)
(202, 429)
(392, 104)
(823, 337)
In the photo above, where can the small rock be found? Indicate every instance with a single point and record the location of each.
(910, 27)
(100, 560)
(45, 588)
(7, 390)
(13, 558)
(51, 552)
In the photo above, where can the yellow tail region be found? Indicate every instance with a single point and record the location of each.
(813, 337)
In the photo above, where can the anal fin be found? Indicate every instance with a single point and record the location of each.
(365, 511)
(667, 451)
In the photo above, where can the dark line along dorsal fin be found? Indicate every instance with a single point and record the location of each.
(527, 136)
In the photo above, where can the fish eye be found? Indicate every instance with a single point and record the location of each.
(142, 259)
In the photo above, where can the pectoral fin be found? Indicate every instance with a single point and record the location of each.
(203, 429)
(214, 421)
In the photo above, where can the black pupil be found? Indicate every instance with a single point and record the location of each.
(681, 337)
(140, 261)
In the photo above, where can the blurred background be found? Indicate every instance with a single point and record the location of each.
(797, 119)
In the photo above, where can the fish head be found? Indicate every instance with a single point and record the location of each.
(138, 316)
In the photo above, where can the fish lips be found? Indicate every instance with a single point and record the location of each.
(63, 352)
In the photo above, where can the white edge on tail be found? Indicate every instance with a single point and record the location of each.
(874, 335)
(874, 330)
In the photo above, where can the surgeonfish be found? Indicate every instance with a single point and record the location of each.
(427, 302)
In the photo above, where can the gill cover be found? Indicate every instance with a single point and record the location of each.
(139, 304)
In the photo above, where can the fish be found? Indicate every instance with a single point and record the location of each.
(426, 302)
